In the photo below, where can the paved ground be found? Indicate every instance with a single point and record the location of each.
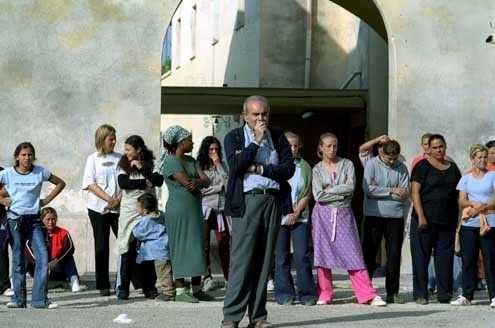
(88, 309)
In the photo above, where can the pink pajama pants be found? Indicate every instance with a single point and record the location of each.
(360, 280)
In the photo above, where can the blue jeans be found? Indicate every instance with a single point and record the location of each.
(284, 284)
(66, 268)
(22, 229)
(432, 283)
(457, 273)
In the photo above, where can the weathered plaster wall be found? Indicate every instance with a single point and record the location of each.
(67, 67)
(340, 47)
(441, 72)
(283, 37)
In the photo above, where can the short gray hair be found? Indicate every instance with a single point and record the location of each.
(255, 98)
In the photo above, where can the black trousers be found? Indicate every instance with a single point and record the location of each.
(102, 224)
(147, 276)
(375, 228)
(471, 243)
(4, 269)
(441, 238)
(130, 271)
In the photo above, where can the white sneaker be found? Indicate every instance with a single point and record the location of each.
(76, 288)
(52, 305)
(378, 301)
(74, 283)
(9, 292)
(13, 305)
(462, 301)
(270, 286)
(209, 284)
(322, 302)
(492, 303)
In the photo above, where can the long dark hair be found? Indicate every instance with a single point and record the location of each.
(145, 156)
(204, 159)
(21, 146)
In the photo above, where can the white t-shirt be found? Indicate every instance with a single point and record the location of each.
(24, 189)
(102, 170)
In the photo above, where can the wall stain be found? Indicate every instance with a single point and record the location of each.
(7, 7)
(439, 12)
(16, 72)
(106, 11)
(79, 37)
(51, 10)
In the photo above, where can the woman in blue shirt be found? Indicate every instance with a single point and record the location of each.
(476, 196)
(23, 183)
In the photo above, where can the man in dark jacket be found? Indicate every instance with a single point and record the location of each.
(258, 194)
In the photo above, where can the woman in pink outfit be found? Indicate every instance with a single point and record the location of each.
(335, 236)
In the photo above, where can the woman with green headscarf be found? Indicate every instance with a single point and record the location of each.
(183, 213)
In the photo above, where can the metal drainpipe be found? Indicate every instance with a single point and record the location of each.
(307, 59)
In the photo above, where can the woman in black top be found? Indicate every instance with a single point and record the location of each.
(136, 177)
(434, 220)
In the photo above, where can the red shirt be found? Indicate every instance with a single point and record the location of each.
(61, 245)
(416, 160)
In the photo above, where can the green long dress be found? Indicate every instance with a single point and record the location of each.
(184, 221)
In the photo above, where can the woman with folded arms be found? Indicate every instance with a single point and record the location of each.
(335, 237)
(476, 197)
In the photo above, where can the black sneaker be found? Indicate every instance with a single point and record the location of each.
(202, 296)
(104, 292)
(152, 295)
(395, 298)
(123, 295)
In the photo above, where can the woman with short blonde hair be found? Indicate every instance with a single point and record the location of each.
(476, 196)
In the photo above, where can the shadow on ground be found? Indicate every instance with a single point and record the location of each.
(359, 317)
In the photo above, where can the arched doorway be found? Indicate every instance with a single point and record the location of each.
(265, 52)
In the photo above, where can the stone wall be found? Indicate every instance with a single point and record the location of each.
(67, 67)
